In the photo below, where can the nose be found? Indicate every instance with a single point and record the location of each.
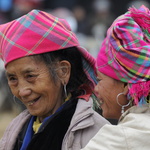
(23, 92)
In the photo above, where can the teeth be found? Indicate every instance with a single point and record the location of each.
(101, 102)
(31, 103)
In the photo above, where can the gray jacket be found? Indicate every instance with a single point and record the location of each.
(84, 125)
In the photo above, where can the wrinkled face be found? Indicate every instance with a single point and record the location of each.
(31, 82)
(107, 90)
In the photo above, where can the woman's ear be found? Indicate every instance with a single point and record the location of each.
(64, 71)
(125, 89)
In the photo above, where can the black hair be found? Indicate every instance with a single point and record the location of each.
(72, 55)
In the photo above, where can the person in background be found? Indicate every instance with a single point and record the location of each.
(123, 71)
(54, 77)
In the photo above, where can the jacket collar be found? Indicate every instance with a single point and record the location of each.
(82, 116)
(136, 110)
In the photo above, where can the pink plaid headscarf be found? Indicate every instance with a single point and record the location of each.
(39, 32)
(125, 52)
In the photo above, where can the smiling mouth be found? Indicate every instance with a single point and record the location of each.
(32, 102)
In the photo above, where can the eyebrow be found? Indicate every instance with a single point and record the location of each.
(27, 71)
(9, 74)
(22, 72)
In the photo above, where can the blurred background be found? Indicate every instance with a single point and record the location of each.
(89, 19)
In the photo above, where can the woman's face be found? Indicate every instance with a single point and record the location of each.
(107, 90)
(31, 82)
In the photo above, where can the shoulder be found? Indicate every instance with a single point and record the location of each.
(85, 122)
(13, 129)
(21, 118)
(108, 137)
(126, 135)
(85, 110)
(136, 115)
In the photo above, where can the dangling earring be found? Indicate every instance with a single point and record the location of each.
(14, 98)
(17, 101)
(65, 90)
(122, 106)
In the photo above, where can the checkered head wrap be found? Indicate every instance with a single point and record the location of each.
(39, 32)
(125, 52)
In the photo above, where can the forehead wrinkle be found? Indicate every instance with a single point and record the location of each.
(28, 70)
(9, 74)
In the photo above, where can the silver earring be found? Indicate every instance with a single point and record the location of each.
(14, 98)
(122, 106)
(65, 90)
(17, 101)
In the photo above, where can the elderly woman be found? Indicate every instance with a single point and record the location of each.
(53, 77)
(123, 70)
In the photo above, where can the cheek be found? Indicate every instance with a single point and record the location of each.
(105, 93)
(13, 90)
(99, 88)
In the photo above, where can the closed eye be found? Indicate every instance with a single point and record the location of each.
(11, 78)
(30, 77)
(98, 79)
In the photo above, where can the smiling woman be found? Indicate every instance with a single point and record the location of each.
(123, 70)
(54, 78)
(32, 84)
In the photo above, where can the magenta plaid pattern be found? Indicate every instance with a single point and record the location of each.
(39, 32)
(125, 52)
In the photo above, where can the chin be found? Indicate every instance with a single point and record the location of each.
(34, 113)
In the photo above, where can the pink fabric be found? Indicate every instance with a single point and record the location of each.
(125, 52)
(34, 33)
(40, 32)
(139, 92)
